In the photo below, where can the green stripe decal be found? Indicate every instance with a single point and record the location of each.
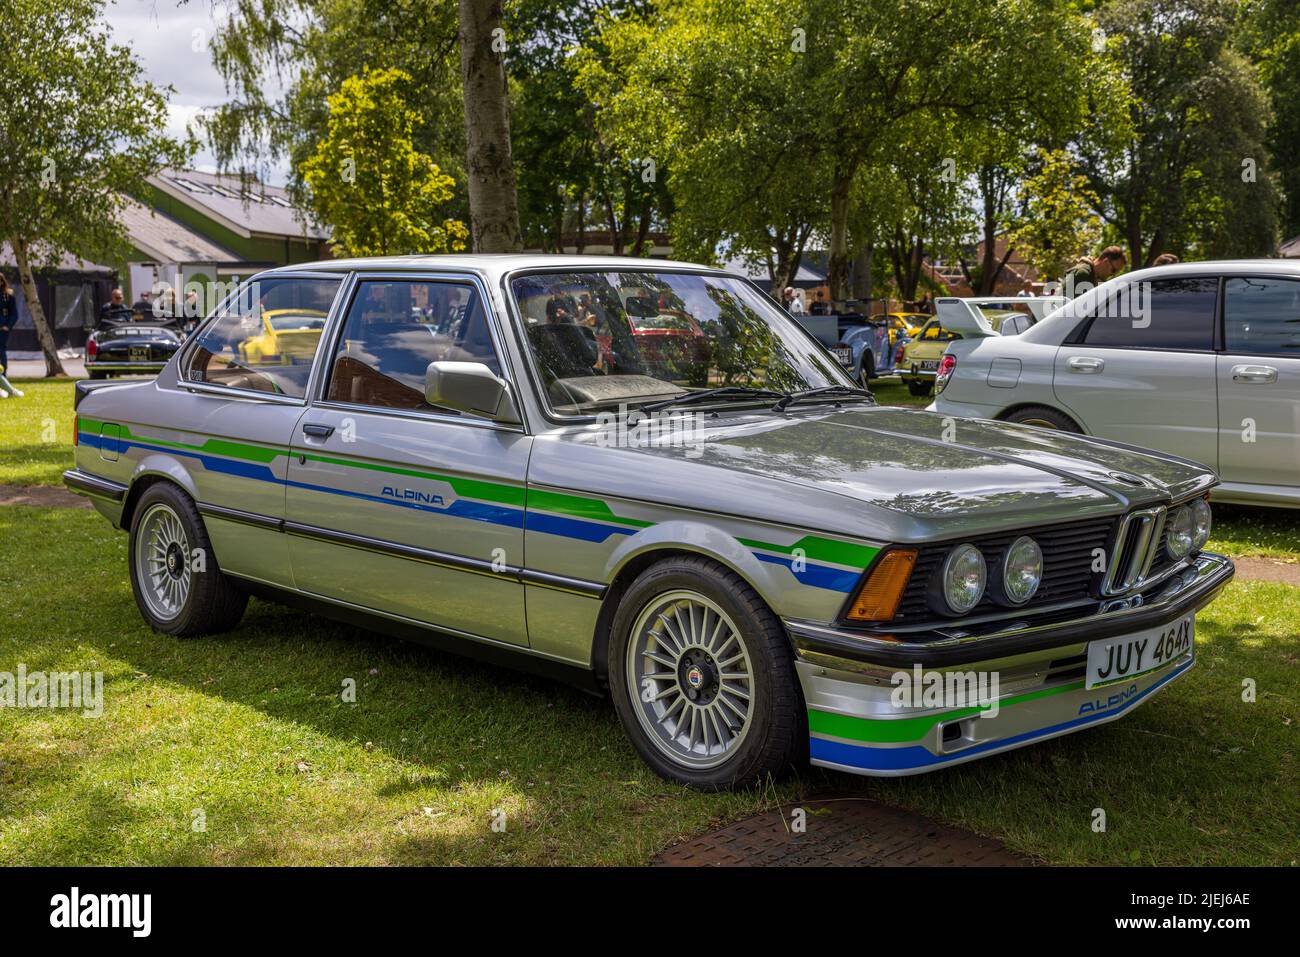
(895, 730)
(818, 549)
(812, 547)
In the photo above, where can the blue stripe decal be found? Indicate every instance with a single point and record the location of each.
(819, 576)
(596, 532)
(814, 575)
(903, 759)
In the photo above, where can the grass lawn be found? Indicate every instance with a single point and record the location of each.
(249, 729)
(893, 391)
(36, 433)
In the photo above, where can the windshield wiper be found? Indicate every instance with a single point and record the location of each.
(788, 400)
(723, 392)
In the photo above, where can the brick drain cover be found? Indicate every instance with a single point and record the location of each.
(839, 832)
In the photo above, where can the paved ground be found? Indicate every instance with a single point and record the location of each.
(840, 832)
(35, 368)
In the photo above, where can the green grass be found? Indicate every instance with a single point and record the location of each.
(1243, 530)
(893, 391)
(36, 433)
(249, 727)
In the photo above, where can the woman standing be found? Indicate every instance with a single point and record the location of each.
(8, 318)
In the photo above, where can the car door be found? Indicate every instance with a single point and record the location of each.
(233, 421)
(393, 504)
(1259, 381)
(1141, 367)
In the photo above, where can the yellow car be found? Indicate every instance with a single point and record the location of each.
(917, 360)
(289, 336)
(909, 323)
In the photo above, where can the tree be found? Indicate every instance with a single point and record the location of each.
(714, 95)
(304, 50)
(1195, 159)
(493, 200)
(80, 129)
(1059, 224)
(379, 195)
(1271, 36)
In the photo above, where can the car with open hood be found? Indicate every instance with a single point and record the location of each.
(757, 563)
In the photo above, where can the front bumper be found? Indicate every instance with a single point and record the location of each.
(858, 724)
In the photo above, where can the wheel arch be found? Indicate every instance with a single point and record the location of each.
(662, 542)
(152, 470)
(1018, 406)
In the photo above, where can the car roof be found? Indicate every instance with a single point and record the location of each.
(492, 265)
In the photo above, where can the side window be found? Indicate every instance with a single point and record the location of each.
(1262, 316)
(1166, 314)
(264, 338)
(396, 327)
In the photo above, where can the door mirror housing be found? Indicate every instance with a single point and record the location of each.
(470, 387)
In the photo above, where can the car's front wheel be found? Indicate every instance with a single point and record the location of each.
(703, 677)
(178, 586)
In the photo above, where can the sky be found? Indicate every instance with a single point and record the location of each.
(162, 35)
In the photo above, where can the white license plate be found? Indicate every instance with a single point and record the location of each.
(138, 353)
(844, 356)
(930, 365)
(1114, 659)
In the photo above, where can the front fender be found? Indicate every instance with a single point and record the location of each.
(772, 576)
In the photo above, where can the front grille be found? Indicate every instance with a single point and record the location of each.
(1068, 557)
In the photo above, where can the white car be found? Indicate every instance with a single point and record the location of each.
(1201, 360)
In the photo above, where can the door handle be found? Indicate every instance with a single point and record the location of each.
(1086, 364)
(319, 431)
(1260, 374)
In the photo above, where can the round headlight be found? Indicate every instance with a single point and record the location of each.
(1178, 536)
(963, 578)
(1022, 570)
(1200, 524)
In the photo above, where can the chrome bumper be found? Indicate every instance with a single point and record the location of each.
(1187, 590)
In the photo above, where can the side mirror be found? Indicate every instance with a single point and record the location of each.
(470, 387)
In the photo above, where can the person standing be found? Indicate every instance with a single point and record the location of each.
(8, 319)
(1088, 273)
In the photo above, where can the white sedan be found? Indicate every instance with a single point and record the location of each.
(1201, 360)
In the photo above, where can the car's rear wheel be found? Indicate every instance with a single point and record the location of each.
(178, 586)
(703, 678)
(1044, 418)
(919, 388)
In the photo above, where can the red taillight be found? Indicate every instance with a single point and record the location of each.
(76, 428)
(898, 356)
(92, 347)
(946, 366)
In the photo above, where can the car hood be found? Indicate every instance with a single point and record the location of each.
(915, 475)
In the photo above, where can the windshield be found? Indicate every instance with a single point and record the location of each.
(610, 338)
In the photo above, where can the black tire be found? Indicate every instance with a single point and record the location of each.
(97, 375)
(212, 603)
(776, 736)
(865, 372)
(1045, 418)
(919, 387)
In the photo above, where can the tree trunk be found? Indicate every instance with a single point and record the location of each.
(44, 336)
(862, 272)
(493, 201)
(838, 266)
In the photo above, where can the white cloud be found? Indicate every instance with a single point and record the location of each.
(172, 40)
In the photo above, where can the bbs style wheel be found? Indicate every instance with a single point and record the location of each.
(178, 586)
(703, 677)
